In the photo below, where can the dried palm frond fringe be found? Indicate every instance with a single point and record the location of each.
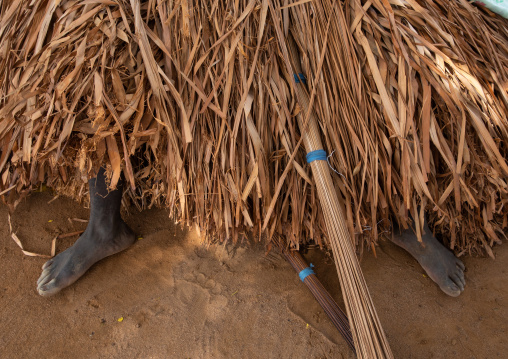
(193, 102)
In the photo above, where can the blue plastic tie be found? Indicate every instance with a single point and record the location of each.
(306, 272)
(318, 155)
(300, 78)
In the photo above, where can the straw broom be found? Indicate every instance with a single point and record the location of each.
(369, 337)
(336, 315)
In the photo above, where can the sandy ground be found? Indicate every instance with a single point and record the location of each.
(178, 300)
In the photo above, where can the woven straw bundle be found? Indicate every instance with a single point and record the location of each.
(193, 102)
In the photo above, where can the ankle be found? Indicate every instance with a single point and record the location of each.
(104, 227)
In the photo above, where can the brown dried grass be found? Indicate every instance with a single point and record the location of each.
(192, 101)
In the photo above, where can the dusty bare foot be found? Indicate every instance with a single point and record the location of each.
(439, 263)
(105, 235)
(93, 245)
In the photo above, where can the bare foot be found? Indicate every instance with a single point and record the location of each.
(64, 269)
(439, 263)
(105, 235)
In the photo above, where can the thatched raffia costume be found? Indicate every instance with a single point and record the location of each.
(190, 100)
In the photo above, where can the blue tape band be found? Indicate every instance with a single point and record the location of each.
(300, 78)
(318, 155)
(306, 272)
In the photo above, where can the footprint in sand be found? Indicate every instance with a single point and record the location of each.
(197, 289)
(200, 298)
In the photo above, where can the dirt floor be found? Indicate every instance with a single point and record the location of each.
(167, 297)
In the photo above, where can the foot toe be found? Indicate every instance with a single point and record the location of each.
(44, 275)
(460, 264)
(47, 264)
(48, 289)
(450, 288)
(456, 279)
(460, 274)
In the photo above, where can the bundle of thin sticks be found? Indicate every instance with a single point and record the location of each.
(191, 101)
(331, 308)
